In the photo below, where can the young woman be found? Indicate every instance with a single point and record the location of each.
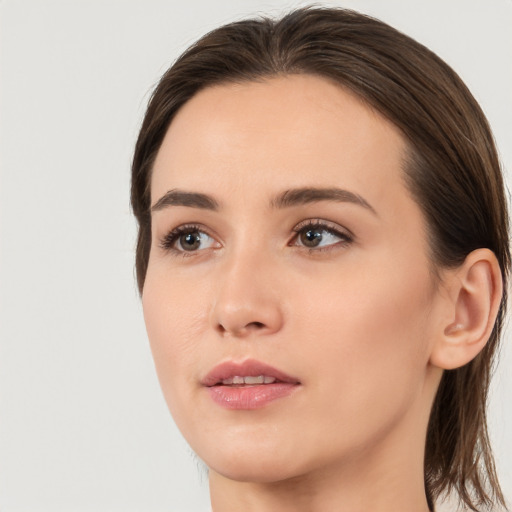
(323, 256)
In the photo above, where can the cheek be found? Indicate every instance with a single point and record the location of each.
(176, 319)
(369, 337)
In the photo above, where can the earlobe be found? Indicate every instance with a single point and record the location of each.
(475, 291)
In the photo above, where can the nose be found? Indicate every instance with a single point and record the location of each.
(247, 301)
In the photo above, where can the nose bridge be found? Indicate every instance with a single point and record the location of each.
(246, 300)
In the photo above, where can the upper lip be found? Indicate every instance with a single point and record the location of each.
(247, 368)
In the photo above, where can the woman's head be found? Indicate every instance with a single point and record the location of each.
(397, 104)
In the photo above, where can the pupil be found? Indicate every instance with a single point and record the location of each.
(190, 241)
(311, 238)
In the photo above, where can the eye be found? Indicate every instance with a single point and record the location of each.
(320, 235)
(187, 239)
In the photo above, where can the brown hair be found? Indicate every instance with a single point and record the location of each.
(452, 170)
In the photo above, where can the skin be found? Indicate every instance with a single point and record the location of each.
(355, 321)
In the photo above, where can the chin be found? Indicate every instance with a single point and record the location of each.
(261, 464)
(256, 470)
(256, 462)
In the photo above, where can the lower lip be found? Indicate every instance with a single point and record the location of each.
(250, 397)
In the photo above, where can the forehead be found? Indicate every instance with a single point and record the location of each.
(260, 137)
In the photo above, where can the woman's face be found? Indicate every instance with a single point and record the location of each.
(285, 246)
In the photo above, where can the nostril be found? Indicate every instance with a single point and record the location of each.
(256, 325)
(244, 330)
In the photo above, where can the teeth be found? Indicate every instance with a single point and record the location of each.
(238, 380)
(254, 380)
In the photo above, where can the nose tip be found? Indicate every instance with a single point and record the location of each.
(246, 304)
(246, 319)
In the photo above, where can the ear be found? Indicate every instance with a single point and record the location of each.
(474, 295)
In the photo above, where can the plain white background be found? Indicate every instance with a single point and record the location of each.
(83, 426)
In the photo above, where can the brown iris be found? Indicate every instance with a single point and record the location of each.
(311, 237)
(190, 241)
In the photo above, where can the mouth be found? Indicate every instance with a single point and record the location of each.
(248, 385)
(247, 373)
(239, 381)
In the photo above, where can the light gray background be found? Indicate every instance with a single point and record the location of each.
(83, 426)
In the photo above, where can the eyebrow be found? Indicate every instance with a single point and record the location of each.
(287, 199)
(300, 196)
(177, 197)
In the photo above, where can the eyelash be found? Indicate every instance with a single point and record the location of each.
(346, 238)
(168, 242)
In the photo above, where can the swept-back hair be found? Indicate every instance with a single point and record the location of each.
(451, 169)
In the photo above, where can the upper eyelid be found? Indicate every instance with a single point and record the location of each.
(323, 224)
(190, 227)
(314, 222)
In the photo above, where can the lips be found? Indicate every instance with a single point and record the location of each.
(249, 368)
(247, 385)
